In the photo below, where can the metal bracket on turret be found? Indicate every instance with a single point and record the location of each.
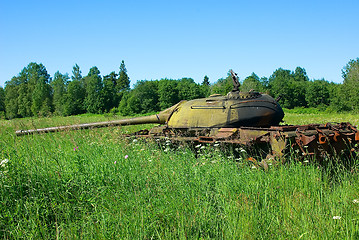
(236, 83)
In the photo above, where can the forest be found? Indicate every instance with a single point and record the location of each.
(33, 92)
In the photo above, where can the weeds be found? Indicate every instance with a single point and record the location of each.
(93, 184)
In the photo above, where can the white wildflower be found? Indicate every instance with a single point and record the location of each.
(356, 201)
(203, 147)
(135, 140)
(216, 145)
(197, 146)
(337, 217)
(3, 162)
(306, 161)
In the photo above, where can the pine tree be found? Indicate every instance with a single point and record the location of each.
(205, 81)
(76, 73)
(123, 82)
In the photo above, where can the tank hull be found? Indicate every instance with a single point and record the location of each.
(316, 140)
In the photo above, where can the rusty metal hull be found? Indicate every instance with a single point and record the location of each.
(316, 140)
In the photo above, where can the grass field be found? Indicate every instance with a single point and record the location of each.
(94, 184)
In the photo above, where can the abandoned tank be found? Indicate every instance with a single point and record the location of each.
(250, 119)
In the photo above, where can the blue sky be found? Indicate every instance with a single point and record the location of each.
(176, 39)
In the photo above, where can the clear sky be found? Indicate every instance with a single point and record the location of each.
(176, 39)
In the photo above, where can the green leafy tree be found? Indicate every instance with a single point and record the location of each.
(39, 88)
(265, 83)
(280, 83)
(350, 88)
(2, 102)
(149, 96)
(335, 99)
(75, 94)
(24, 100)
(41, 98)
(300, 75)
(110, 97)
(318, 94)
(143, 98)
(130, 103)
(205, 87)
(168, 93)
(300, 87)
(11, 97)
(223, 85)
(93, 100)
(29, 93)
(299, 93)
(290, 85)
(252, 83)
(59, 85)
(74, 98)
(188, 89)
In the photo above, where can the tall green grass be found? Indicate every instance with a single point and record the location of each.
(94, 184)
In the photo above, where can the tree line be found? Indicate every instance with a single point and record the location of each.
(34, 93)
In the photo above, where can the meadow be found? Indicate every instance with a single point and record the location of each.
(95, 184)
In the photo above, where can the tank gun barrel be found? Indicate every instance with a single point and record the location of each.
(157, 118)
(160, 118)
